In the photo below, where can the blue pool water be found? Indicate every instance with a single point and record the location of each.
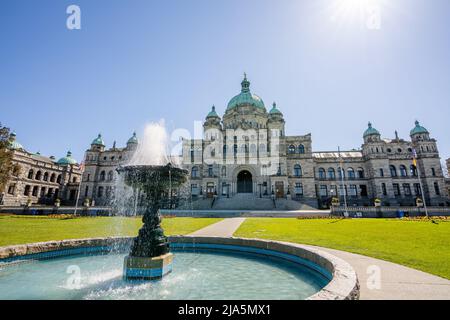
(202, 274)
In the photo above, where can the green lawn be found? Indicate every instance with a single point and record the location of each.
(421, 245)
(26, 229)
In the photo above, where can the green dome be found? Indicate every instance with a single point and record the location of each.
(67, 160)
(246, 97)
(133, 139)
(213, 113)
(275, 110)
(98, 141)
(13, 144)
(371, 131)
(418, 129)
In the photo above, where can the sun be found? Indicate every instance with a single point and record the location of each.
(354, 11)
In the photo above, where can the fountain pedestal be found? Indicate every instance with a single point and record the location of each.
(150, 258)
(138, 268)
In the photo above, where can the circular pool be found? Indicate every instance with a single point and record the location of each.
(202, 270)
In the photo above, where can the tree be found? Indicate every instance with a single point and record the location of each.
(7, 167)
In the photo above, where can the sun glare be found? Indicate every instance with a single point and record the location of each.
(355, 11)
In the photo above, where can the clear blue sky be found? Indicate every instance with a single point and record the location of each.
(139, 61)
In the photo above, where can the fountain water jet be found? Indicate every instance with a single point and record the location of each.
(154, 177)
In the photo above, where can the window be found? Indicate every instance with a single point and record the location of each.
(35, 191)
(11, 189)
(323, 191)
(224, 171)
(360, 173)
(102, 176)
(291, 149)
(38, 175)
(417, 189)
(210, 171)
(110, 176)
(26, 191)
(301, 149)
(364, 192)
(384, 189)
(403, 171)
(341, 173)
(381, 172)
(353, 192)
(298, 189)
(413, 170)
(53, 177)
(433, 172)
(396, 187)
(100, 192)
(42, 192)
(351, 173)
(322, 173)
(297, 170)
(74, 179)
(30, 174)
(436, 189)
(46, 176)
(194, 189)
(49, 192)
(407, 189)
(331, 174)
(342, 190)
(393, 171)
(194, 172)
(58, 180)
(86, 191)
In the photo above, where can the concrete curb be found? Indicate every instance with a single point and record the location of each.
(344, 284)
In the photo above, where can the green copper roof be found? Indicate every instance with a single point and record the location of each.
(67, 160)
(371, 131)
(212, 113)
(275, 110)
(418, 129)
(133, 139)
(98, 141)
(246, 97)
(13, 144)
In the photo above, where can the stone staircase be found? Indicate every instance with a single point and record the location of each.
(243, 201)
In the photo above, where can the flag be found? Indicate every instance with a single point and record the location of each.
(414, 158)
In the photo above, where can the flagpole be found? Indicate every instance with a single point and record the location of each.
(342, 180)
(420, 183)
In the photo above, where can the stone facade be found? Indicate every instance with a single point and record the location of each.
(447, 179)
(100, 175)
(41, 180)
(247, 151)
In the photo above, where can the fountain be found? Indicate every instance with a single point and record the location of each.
(150, 257)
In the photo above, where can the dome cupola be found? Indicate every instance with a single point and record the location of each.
(133, 139)
(246, 97)
(98, 141)
(67, 160)
(418, 129)
(275, 110)
(371, 131)
(212, 113)
(13, 144)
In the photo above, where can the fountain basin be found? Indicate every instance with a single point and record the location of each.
(140, 268)
(274, 261)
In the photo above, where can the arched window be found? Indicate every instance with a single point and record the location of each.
(53, 177)
(58, 180)
(26, 192)
(46, 176)
(351, 173)
(297, 170)
(262, 148)
(194, 172)
(291, 149)
(360, 173)
(301, 149)
(331, 174)
(30, 174)
(413, 170)
(403, 171)
(322, 174)
(110, 176)
(393, 171)
(38, 175)
(102, 176)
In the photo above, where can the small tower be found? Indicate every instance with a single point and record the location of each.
(212, 122)
(133, 142)
(98, 144)
(371, 134)
(419, 133)
(276, 121)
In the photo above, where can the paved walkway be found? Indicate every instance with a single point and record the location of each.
(379, 279)
(224, 228)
